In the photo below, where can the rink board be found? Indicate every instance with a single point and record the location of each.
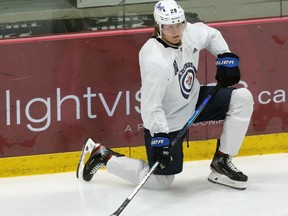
(197, 150)
(58, 90)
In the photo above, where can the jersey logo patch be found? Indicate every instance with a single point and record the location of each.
(186, 79)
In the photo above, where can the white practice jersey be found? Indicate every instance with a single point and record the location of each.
(169, 88)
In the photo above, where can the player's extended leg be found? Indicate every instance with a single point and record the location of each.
(234, 130)
(131, 170)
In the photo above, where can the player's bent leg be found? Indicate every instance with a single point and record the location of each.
(224, 172)
(133, 171)
(237, 121)
(234, 129)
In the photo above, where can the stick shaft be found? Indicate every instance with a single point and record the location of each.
(174, 142)
(135, 191)
(195, 115)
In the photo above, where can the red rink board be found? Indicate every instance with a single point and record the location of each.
(58, 90)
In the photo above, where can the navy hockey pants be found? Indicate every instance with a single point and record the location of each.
(215, 110)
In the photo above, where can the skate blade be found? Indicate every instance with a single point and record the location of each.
(87, 148)
(218, 178)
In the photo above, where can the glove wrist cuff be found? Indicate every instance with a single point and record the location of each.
(160, 141)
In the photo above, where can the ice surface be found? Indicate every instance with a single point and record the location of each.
(190, 194)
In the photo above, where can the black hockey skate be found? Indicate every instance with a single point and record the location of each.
(225, 173)
(98, 157)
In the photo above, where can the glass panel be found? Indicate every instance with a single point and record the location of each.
(22, 18)
(223, 10)
(284, 8)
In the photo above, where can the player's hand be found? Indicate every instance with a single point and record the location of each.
(228, 72)
(161, 146)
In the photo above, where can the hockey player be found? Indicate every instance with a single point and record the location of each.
(170, 92)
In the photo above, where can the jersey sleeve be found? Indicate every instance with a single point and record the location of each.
(209, 38)
(154, 80)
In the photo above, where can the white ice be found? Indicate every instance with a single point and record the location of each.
(190, 194)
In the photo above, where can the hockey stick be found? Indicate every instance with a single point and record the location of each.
(175, 140)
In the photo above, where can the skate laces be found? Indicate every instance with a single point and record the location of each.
(96, 167)
(231, 165)
(100, 155)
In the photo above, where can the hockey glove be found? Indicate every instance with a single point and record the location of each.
(160, 151)
(228, 72)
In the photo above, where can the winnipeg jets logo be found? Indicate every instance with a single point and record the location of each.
(186, 79)
(160, 7)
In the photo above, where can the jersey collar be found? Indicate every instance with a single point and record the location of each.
(165, 44)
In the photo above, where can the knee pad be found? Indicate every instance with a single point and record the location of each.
(157, 182)
(241, 103)
(133, 170)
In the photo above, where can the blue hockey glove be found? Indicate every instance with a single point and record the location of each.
(161, 146)
(228, 72)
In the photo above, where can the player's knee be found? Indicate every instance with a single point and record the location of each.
(242, 101)
(243, 95)
(159, 182)
(163, 181)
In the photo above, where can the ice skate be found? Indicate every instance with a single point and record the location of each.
(225, 173)
(97, 154)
